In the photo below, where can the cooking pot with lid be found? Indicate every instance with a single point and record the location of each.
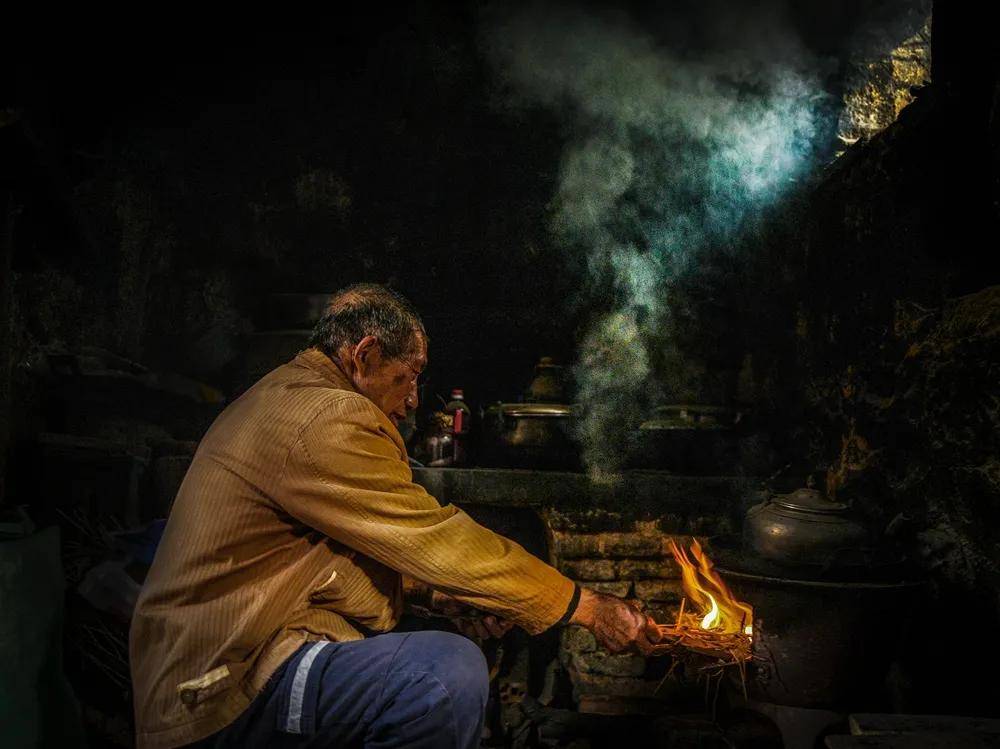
(529, 435)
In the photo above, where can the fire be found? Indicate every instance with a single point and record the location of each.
(718, 610)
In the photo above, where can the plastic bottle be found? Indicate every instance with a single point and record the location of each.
(461, 415)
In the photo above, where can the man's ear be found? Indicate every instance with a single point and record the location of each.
(365, 352)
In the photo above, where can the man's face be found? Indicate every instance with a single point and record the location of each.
(391, 384)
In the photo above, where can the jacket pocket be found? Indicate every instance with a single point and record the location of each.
(194, 691)
(329, 582)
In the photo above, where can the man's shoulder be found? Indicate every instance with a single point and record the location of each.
(345, 408)
(286, 400)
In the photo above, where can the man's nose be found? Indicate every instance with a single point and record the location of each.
(412, 398)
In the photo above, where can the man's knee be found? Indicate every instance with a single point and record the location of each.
(455, 661)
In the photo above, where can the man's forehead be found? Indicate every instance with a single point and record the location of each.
(418, 357)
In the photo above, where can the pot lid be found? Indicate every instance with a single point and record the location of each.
(810, 500)
(690, 416)
(535, 409)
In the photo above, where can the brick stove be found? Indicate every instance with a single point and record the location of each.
(610, 536)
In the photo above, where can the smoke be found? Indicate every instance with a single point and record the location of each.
(668, 155)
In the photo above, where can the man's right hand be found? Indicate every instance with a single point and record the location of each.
(616, 625)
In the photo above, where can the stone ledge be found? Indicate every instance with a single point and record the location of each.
(645, 493)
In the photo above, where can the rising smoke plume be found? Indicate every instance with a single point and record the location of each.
(667, 155)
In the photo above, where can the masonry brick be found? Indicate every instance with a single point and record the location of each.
(619, 589)
(589, 569)
(603, 663)
(659, 590)
(607, 545)
(586, 684)
(577, 545)
(589, 521)
(575, 639)
(646, 569)
(623, 545)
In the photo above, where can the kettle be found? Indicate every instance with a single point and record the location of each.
(805, 528)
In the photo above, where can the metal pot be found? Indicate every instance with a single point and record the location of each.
(805, 528)
(824, 645)
(529, 435)
(690, 439)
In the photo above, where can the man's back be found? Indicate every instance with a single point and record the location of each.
(234, 570)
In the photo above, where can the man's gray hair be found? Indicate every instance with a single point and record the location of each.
(368, 309)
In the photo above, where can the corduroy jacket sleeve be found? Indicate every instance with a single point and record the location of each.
(347, 477)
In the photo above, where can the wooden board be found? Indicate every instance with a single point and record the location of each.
(877, 724)
(928, 740)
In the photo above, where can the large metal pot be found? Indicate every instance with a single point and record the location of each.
(805, 528)
(822, 644)
(691, 439)
(529, 435)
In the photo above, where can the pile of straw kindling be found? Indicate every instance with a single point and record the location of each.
(686, 637)
(707, 654)
(723, 649)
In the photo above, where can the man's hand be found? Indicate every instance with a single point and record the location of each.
(482, 628)
(616, 625)
(471, 622)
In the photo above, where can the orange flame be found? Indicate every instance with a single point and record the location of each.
(720, 611)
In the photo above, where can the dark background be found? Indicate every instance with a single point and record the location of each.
(166, 186)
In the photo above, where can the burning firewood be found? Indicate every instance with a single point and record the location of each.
(723, 648)
(719, 632)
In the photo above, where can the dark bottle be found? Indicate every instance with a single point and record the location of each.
(461, 420)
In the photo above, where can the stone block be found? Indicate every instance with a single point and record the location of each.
(619, 589)
(589, 569)
(659, 590)
(647, 569)
(606, 664)
(586, 684)
(575, 639)
(625, 545)
(587, 521)
(576, 545)
(569, 545)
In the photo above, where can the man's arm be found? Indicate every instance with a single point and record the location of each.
(345, 477)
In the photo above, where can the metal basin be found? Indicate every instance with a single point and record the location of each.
(822, 644)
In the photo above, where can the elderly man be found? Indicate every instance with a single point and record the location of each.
(265, 619)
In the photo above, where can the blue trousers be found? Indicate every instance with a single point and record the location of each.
(425, 690)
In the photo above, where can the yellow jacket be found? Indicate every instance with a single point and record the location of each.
(294, 522)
